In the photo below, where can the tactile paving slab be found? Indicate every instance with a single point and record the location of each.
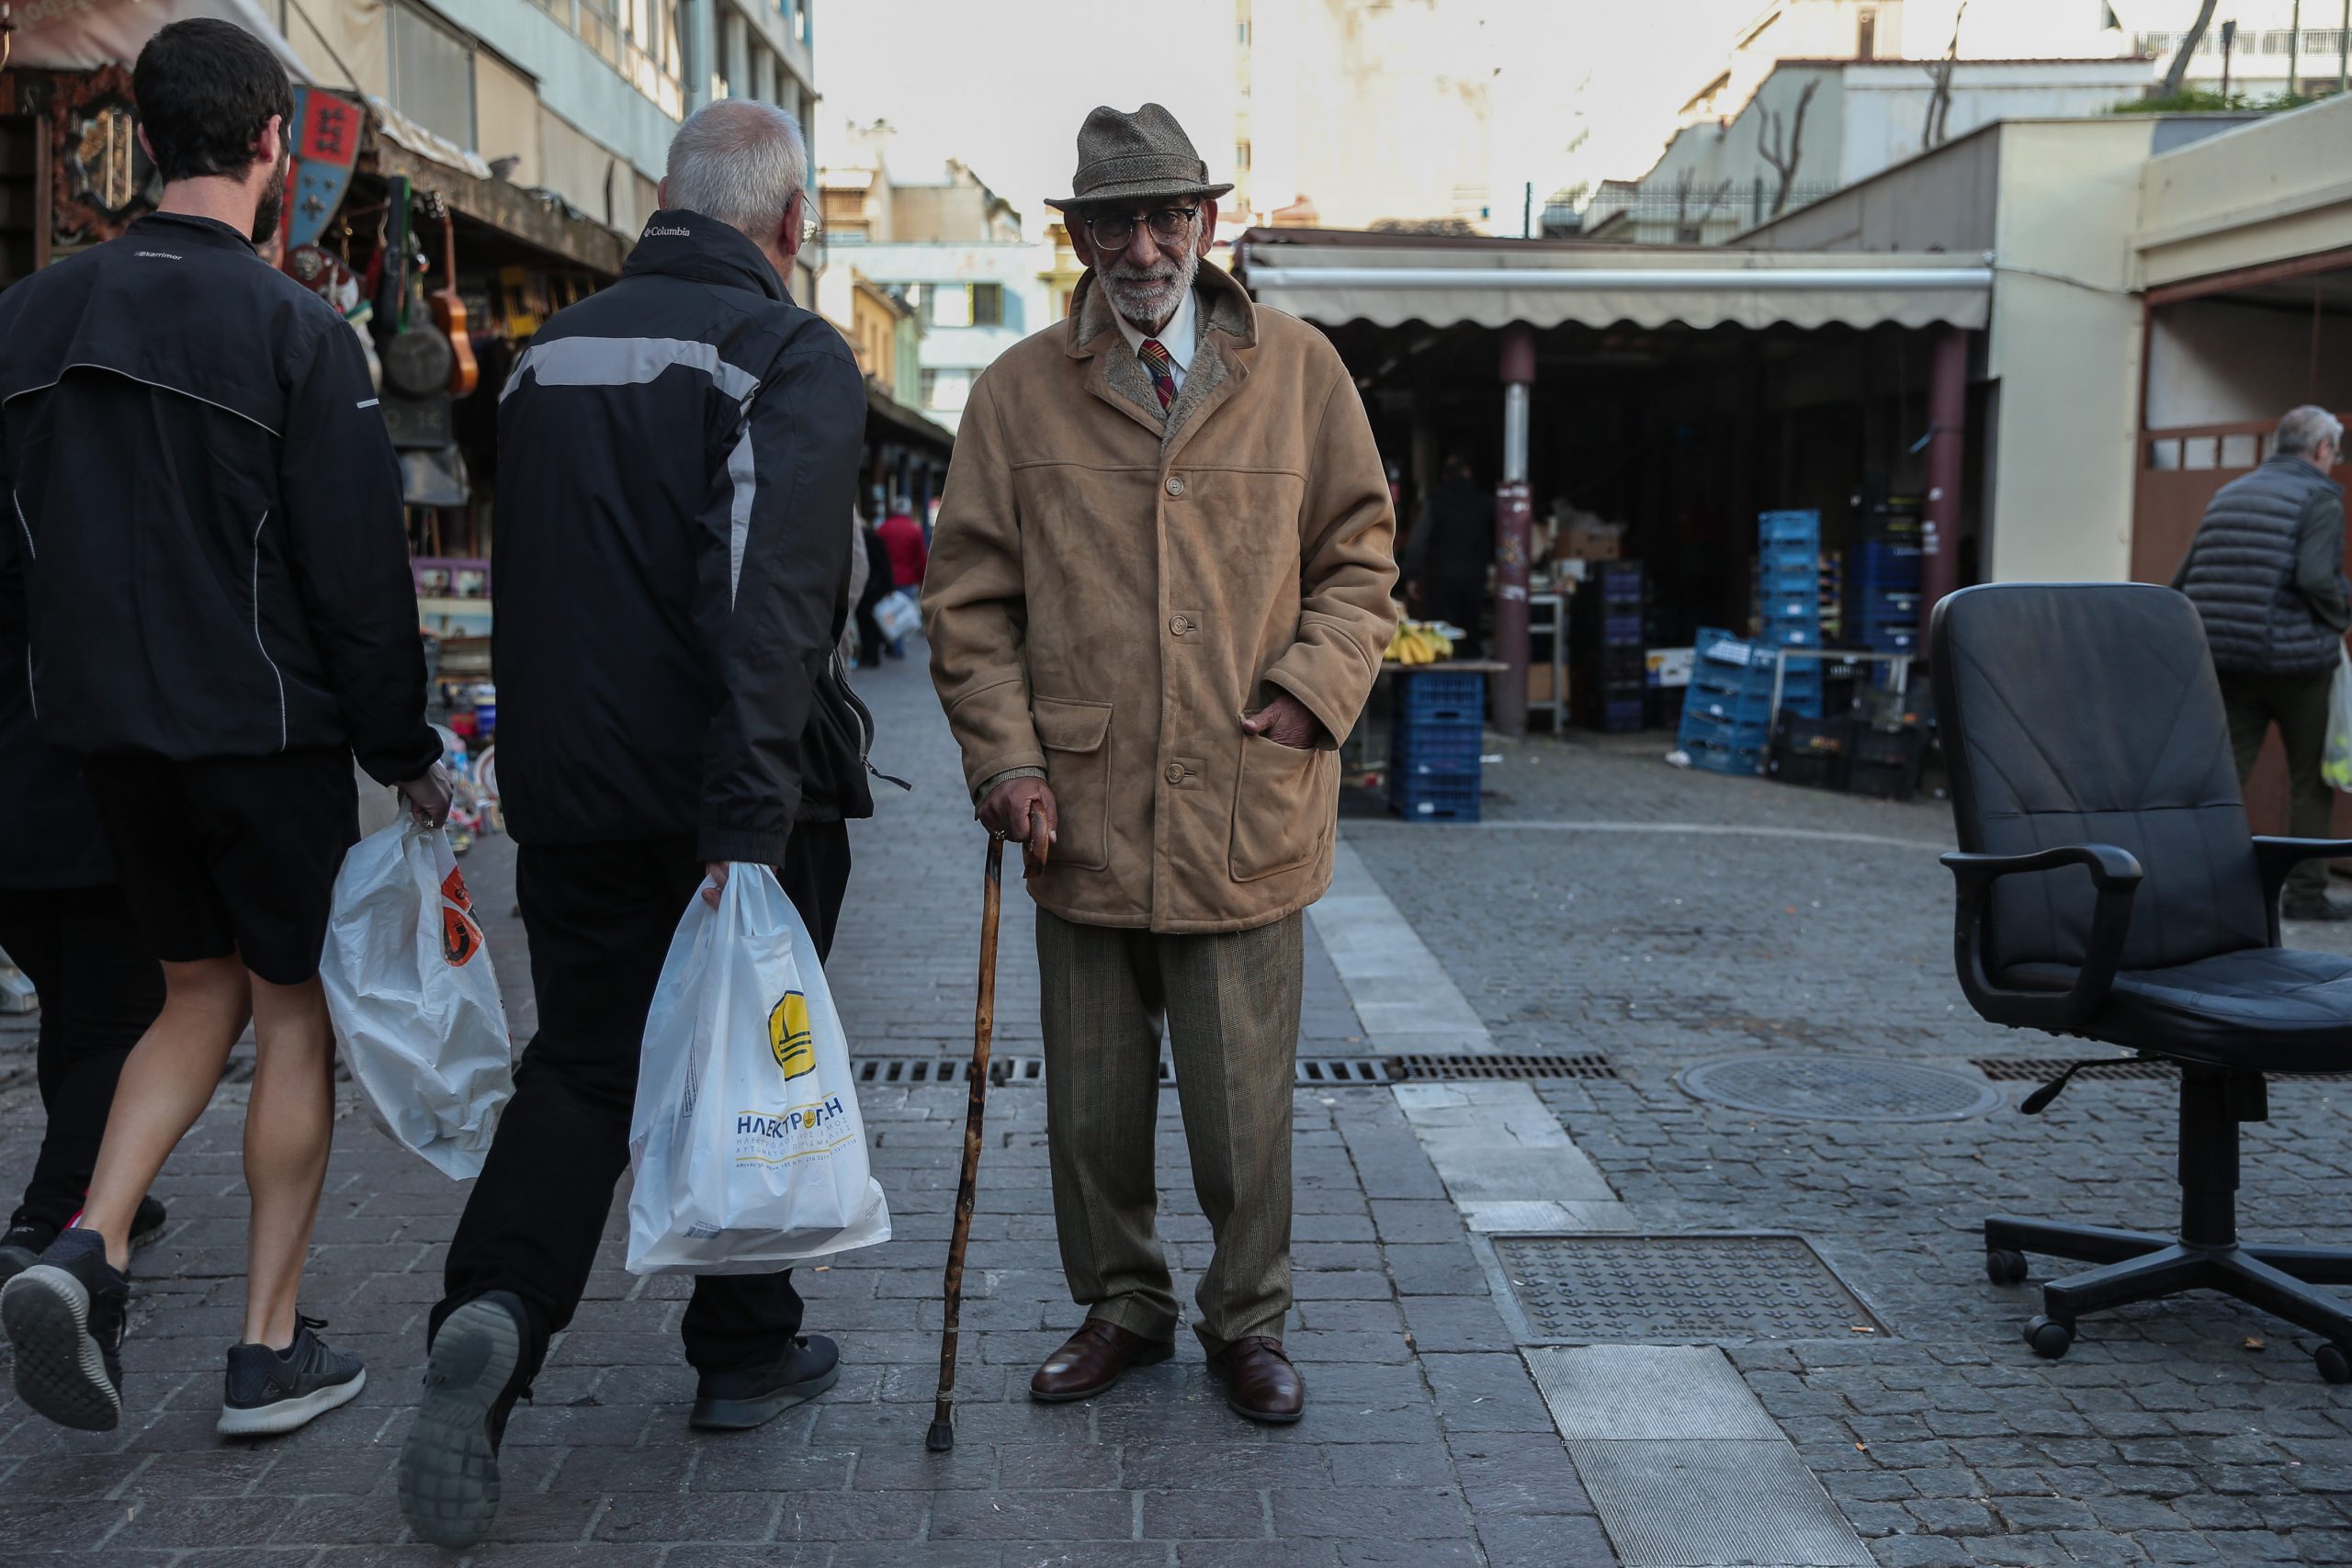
(1840, 1089)
(1711, 1504)
(1581, 1290)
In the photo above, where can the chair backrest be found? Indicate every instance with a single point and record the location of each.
(2088, 712)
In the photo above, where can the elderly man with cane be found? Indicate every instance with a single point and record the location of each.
(1157, 596)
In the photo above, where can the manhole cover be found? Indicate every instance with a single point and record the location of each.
(1662, 1288)
(1840, 1089)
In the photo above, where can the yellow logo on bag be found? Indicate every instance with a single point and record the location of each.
(788, 1035)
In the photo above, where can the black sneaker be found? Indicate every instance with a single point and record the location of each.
(735, 1401)
(146, 1221)
(64, 1316)
(24, 1241)
(268, 1392)
(21, 1245)
(448, 1472)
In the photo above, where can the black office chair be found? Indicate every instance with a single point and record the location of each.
(2082, 728)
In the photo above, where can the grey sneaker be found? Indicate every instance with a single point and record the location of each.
(64, 1316)
(448, 1469)
(267, 1392)
(738, 1401)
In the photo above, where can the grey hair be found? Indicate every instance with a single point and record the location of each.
(2306, 429)
(738, 161)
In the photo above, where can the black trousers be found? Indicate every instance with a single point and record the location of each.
(2298, 706)
(99, 990)
(599, 919)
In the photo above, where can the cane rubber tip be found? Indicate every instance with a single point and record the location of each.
(941, 1437)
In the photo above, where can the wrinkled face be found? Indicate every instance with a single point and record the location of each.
(1147, 254)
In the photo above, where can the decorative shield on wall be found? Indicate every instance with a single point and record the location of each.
(326, 143)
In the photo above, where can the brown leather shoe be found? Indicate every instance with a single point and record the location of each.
(1092, 1360)
(1260, 1381)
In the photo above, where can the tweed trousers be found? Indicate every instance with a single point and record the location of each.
(1230, 1002)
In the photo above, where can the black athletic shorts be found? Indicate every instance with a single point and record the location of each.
(231, 856)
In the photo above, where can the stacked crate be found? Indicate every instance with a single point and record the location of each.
(1611, 655)
(1788, 592)
(1433, 736)
(1728, 712)
(1882, 584)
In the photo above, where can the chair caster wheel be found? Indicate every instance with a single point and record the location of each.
(2004, 1266)
(2335, 1363)
(2049, 1337)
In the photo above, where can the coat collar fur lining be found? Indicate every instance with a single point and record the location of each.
(1226, 320)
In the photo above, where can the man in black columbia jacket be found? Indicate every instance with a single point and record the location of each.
(205, 509)
(677, 465)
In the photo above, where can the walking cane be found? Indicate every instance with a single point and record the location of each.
(942, 1436)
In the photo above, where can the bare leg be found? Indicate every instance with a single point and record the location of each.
(167, 1080)
(288, 1126)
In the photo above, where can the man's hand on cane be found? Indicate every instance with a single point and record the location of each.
(1007, 810)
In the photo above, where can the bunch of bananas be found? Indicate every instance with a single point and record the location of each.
(1420, 642)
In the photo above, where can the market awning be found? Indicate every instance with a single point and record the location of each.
(904, 422)
(82, 35)
(1492, 283)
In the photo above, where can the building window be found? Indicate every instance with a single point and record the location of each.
(433, 75)
(988, 304)
(1241, 155)
(947, 304)
(945, 390)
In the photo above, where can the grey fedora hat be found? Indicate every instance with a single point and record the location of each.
(1135, 157)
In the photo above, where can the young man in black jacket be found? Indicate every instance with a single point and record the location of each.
(205, 508)
(677, 464)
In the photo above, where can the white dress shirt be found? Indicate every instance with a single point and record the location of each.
(1177, 337)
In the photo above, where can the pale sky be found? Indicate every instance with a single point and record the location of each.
(1004, 84)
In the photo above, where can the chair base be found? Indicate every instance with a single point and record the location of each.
(2142, 1268)
(2137, 1266)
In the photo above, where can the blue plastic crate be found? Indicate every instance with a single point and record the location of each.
(1788, 553)
(1799, 577)
(1435, 798)
(1789, 528)
(1423, 745)
(1619, 715)
(1785, 633)
(1447, 694)
(1718, 759)
(1622, 630)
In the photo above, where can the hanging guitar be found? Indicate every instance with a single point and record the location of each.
(448, 310)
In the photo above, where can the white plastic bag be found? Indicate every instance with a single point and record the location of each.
(898, 614)
(2335, 761)
(747, 1145)
(414, 998)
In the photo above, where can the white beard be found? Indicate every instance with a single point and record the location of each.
(1147, 299)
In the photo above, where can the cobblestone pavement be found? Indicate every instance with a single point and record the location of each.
(2191, 1431)
(1604, 908)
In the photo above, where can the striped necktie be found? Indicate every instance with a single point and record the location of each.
(1163, 370)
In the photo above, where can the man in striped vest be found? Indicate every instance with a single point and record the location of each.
(2265, 573)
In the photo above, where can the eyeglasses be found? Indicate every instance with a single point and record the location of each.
(1169, 225)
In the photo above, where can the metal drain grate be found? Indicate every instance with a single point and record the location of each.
(1840, 1089)
(1492, 1067)
(1667, 1289)
(2042, 1069)
(1313, 1072)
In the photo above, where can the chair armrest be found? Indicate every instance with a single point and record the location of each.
(2274, 858)
(2116, 876)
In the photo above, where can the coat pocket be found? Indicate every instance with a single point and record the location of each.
(1077, 740)
(1280, 814)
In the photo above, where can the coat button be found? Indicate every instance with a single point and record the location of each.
(1175, 484)
(1179, 625)
(1175, 772)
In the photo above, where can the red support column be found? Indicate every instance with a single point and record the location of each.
(1948, 439)
(1514, 520)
